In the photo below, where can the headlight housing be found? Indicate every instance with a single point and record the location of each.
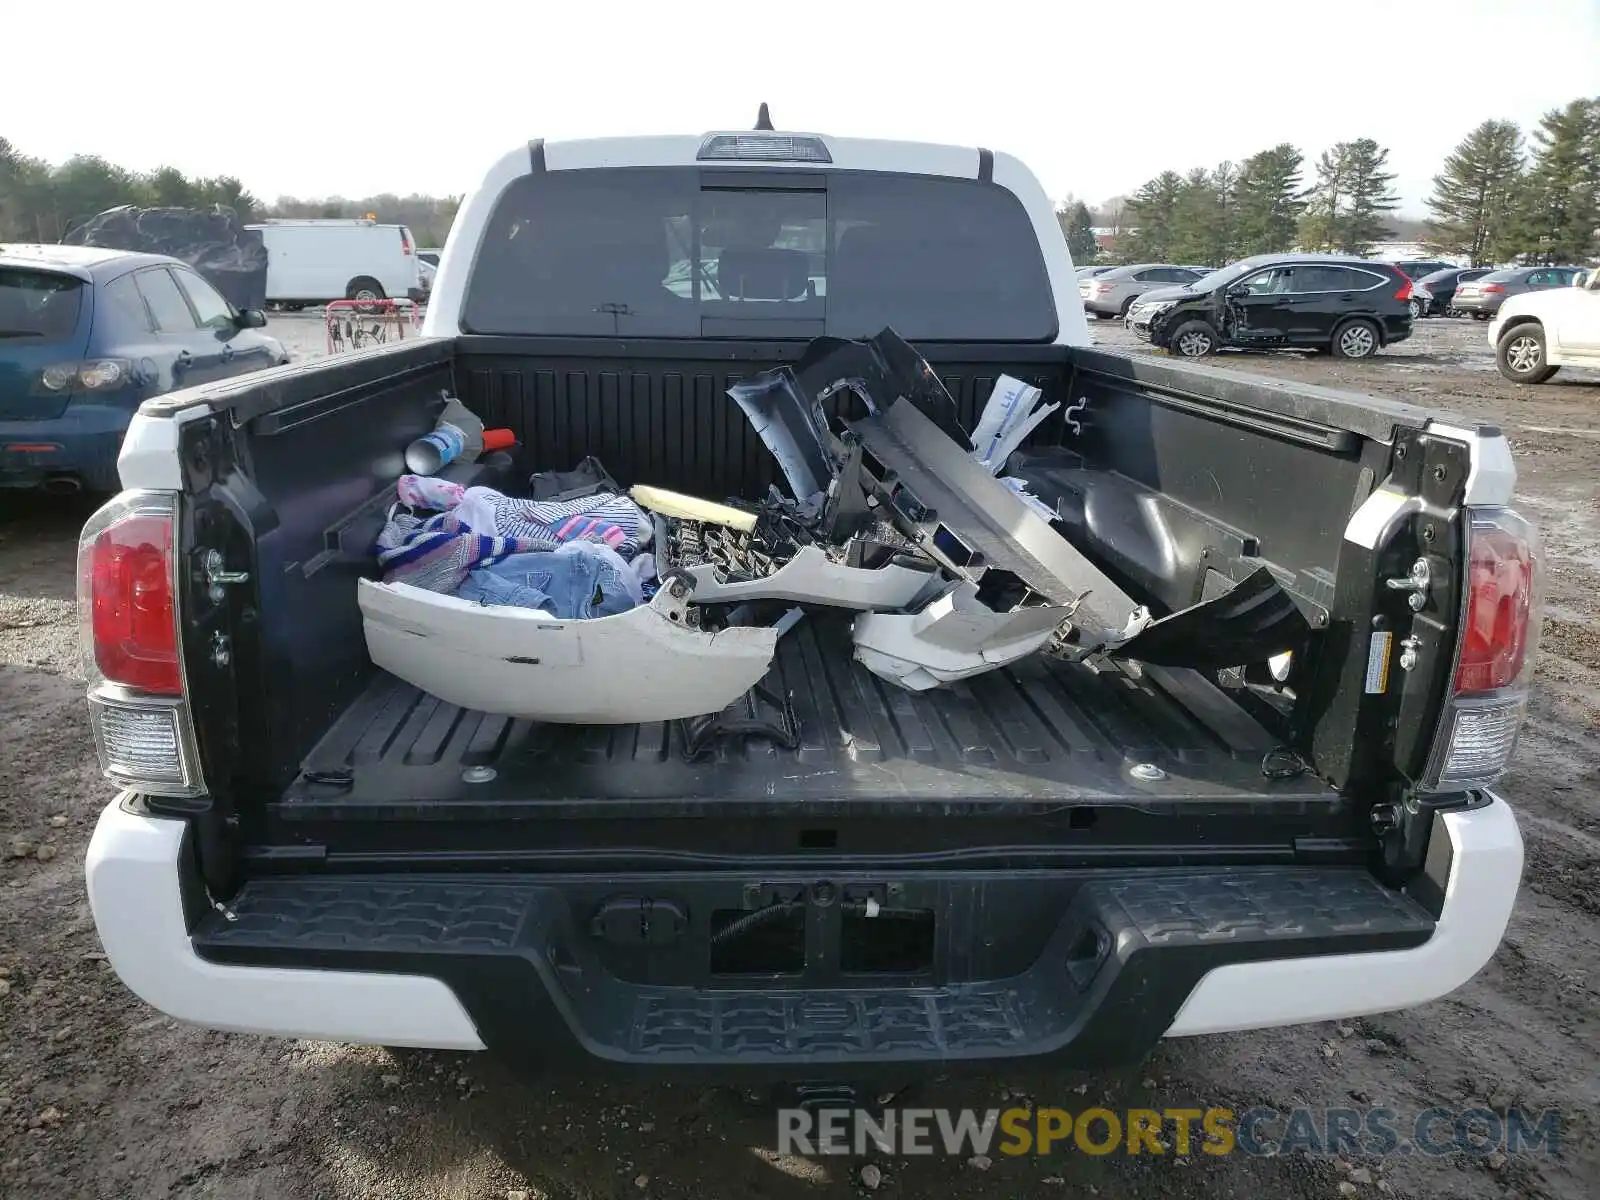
(1150, 309)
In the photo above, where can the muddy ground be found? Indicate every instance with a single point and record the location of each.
(102, 1097)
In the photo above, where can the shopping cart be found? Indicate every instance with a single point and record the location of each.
(357, 324)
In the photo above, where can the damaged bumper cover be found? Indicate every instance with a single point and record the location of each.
(650, 663)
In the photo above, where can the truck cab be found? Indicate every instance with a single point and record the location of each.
(1052, 860)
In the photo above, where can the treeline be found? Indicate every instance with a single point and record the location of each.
(40, 202)
(428, 217)
(1498, 198)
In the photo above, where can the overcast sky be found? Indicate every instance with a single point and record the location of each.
(315, 99)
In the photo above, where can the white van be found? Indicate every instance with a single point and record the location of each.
(314, 261)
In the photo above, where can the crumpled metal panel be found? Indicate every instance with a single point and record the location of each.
(228, 256)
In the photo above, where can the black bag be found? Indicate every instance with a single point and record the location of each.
(588, 478)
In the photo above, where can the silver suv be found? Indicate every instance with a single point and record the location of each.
(1109, 295)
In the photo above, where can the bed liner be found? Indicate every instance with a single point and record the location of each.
(1038, 733)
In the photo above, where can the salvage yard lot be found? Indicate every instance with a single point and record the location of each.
(102, 1097)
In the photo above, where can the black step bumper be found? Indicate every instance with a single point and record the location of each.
(1116, 959)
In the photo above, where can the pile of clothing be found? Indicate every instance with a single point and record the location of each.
(576, 553)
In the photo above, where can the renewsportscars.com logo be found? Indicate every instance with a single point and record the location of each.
(1380, 1132)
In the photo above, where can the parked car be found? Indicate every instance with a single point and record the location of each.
(1091, 272)
(313, 261)
(431, 257)
(86, 335)
(1421, 300)
(1483, 296)
(1350, 306)
(1441, 286)
(1535, 334)
(1416, 268)
(1110, 294)
(304, 846)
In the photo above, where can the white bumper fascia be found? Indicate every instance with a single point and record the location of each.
(1485, 869)
(132, 873)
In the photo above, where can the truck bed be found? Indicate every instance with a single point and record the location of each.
(1045, 732)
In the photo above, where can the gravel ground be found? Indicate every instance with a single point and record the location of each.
(102, 1097)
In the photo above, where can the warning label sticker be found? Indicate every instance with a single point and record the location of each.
(1378, 663)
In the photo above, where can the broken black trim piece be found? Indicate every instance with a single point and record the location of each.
(536, 164)
(1250, 623)
(985, 165)
(793, 427)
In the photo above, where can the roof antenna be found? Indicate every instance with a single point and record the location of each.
(764, 118)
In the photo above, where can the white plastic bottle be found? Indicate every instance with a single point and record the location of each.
(459, 434)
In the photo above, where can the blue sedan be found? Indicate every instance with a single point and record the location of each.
(86, 334)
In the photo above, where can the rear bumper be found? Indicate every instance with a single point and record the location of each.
(83, 442)
(1477, 304)
(472, 964)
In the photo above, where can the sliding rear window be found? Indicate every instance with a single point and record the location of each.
(674, 252)
(38, 305)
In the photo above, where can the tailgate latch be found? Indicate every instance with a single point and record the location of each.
(1416, 582)
(218, 577)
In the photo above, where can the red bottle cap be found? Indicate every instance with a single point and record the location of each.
(498, 439)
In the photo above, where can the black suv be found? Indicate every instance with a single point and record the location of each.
(1416, 268)
(1349, 306)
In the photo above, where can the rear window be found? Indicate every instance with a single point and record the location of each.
(664, 252)
(38, 304)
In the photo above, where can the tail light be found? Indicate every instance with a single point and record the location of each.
(1491, 288)
(405, 242)
(1496, 647)
(1404, 293)
(97, 375)
(1099, 289)
(132, 653)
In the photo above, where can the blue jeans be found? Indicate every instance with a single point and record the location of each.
(568, 583)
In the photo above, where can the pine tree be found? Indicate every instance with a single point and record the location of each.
(1267, 202)
(1222, 248)
(1203, 217)
(1149, 215)
(1561, 197)
(1350, 198)
(1319, 227)
(1078, 228)
(1372, 196)
(1474, 198)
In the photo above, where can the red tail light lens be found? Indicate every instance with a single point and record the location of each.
(1496, 646)
(125, 583)
(1499, 609)
(405, 242)
(1491, 287)
(1404, 293)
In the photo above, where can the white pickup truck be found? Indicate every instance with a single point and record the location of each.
(1048, 860)
(1536, 334)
